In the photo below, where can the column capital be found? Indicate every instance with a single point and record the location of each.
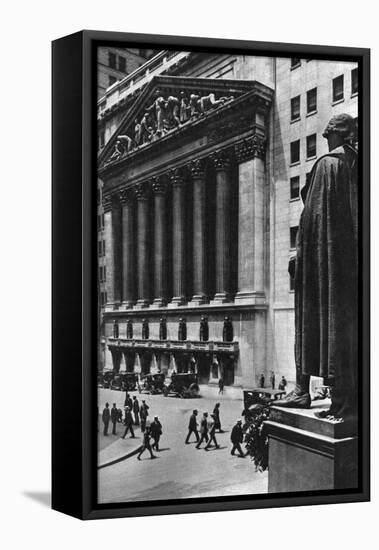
(126, 196)
(176, 177)
(159, 185)
(197, 168)
(142, 191)
(254, 146)
(221, 159)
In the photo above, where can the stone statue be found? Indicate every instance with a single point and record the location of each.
(115, 329)
(172, 112)
(145, 129)
(163, 329)
(182, 330)
(325, 273)
(118, 151)
(137, 133)
(145, 329)
(184, 108)
(194, 104)
(204, 329)
(158, 107)
(126, 142)
(209, 102)
(129, 330)
(227, 332)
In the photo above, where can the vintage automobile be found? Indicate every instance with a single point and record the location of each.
(256, 399)
(152, 383)
(124, 381)
(99, 380)
(107, 378)
(182, 385)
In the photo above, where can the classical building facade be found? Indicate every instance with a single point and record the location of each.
(199, 181)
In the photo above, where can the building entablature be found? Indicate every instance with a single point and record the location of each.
(124, 344)
(178, 119)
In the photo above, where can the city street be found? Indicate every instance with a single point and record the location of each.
(180, 470)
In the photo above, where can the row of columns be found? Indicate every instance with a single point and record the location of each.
(119, 245)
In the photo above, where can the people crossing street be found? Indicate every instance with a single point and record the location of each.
(128, 421)
(136, 410)
(192, 427)
(146, 444)
(144, 413)
(216, 412)
(203, 430)
(156, 432)
(106, 418)
(114, 418)
(236, 437)
(212, 433)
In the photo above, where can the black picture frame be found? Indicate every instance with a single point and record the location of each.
(74, 291)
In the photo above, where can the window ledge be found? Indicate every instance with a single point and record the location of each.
(295, 199)
(338, 101)
(293, 67)
(295, 163)
(311, 158)
(311, 113)
(354, 94)
(293, 120)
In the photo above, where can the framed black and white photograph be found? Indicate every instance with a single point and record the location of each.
(211, 284)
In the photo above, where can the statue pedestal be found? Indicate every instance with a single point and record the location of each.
(307, 453)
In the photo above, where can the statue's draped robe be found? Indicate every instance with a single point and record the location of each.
(326, 276)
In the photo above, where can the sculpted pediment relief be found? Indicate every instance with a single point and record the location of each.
(167, 105)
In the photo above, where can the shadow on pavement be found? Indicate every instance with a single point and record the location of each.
(42, 497)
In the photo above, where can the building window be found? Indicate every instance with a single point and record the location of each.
(312, 101)
(102, 138)
(295, 151)
(121, 64)
(295, 187)
(293, 233)
(111, 80)
(100, 221)
(338, 88)
(99, 248)
(354, 81)
(112, 60)
(295, 108)
(311, 146)
(295, 62)
(292, 283)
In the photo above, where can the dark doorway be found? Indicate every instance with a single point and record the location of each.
(116, 359)
(145, 363)
(203, 368)
(227, 369)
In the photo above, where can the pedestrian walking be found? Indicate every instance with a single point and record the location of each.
(114, 418)
(221, 385)
(128, 422)
(203, 430)
(146, 444)
(136, 410)
(212, 433)
(156, 432)
(272, 380)
(106, 417)
(216, 412)
(144, 413)
(192, 427)
(236, 437)
(128, 402)
(282, 384)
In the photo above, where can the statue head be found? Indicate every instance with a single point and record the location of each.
(339, 130)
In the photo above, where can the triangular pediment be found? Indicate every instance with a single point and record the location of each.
(169, 103)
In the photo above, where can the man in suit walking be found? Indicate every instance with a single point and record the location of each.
(146, 444)
(114, 417)
(203, 430)
(144, 413)
(156, 432)
(106, 418)
(192, 427)
(136, 410)
(128, 423)
(236, 437)
(212, 433)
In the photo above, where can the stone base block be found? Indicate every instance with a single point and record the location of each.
(309, 454)
(176, 302)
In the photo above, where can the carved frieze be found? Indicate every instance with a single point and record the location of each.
(221, 159)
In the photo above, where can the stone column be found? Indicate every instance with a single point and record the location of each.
(112, 232)
(143, 271)
(109, 258)
(221, 161)
(128, 263)
(160, 241)
(251, 257)
(197, 169)
(178, 244)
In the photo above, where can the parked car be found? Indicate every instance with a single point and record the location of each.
(107, 378)
(152, 383)
(182, 385)
(124, 381)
